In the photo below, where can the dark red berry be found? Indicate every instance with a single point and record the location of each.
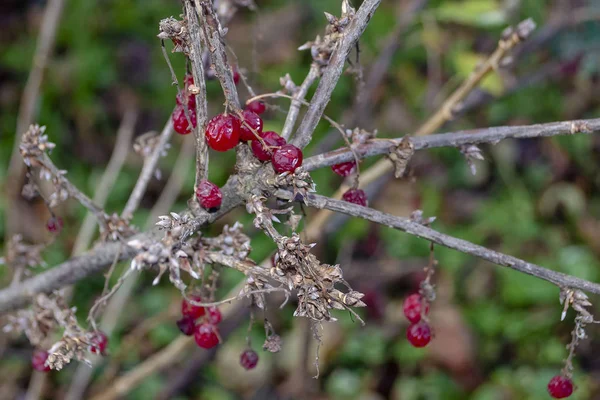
(38, 361)
(185, 97)
(254, 121)
(188, 80)
(560, 387)
(257, 107)
(223, 132)
(98, 342)
(412, 308)
(186, 325)
(356, 196)
(344, 169)
(236, 76)
(271, 139)
(180, 121)
(190, 310)
(249, 359)
(214, 315)
(54, 224)
(419, 335)
(209, 195)
(206, 336)
(286, 158)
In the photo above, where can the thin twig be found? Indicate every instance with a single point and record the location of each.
(292, 115)
(333, 72)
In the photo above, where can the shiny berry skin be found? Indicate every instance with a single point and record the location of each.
(38, 361)
(249, 359)
(256, 106)
(180, 121)
(412, 308)
(271, 139)
(206, 336)
(254, 121)
(190, 310)
(223, 132)
(344, 169)
(286, 158)
(98, 342)
(209, 196)
(560, 387)
(186, 325)
(356, 196)
(54, 224)
(214, 315)
(419, 335)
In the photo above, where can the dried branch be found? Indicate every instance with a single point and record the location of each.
(333, 72)
(411, 227)
(147, 172)
(292, 115)
(195, 54)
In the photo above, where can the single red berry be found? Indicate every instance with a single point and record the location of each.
(356, 196)
(412, 308)
(180, 120)
(254, 121)
(344, 169)
(419, 335)
(38, 361)
(223, 132)
(98, 342)
(188, 80)
(257, 107)
(190, 310)
(560, 387)
(206, 336)
(286, 158)
(214, 315)
(271, 139)
(249, 359)
(209, 196)
(186, 325)
(236, 76)
(54, 224)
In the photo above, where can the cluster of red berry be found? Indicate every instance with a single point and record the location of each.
(419, 332)
(206, 333)
(98, 344)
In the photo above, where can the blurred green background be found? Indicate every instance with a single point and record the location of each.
(497, 332)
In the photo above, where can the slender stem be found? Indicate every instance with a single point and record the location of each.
(290, 120)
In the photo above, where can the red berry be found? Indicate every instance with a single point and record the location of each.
(356, 196)
(186, 325)
(190, 310)
(38, 361)
(419, 334)
(180, 121)
(206, 336)
(223, 132)
(236, 75)
(209, 195)
(412, 308)
(560, 387)
(54, 224)
(257, 107)
(214, 315)
(188, 80)
(286, 158)
(98, 342)
(344, 169)
(254, 121)
(249, 359)
(271, 139)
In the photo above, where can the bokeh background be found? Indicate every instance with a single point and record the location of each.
(497, 332)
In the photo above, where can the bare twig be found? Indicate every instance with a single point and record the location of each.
(29, 100)
(292, 115)
(409, 226)
(333, 72)
(148, 169)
